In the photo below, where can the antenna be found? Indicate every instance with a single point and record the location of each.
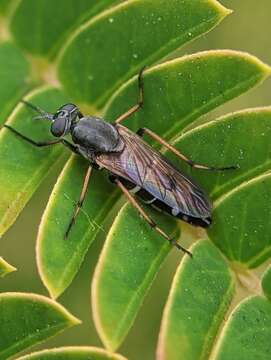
(43, 114)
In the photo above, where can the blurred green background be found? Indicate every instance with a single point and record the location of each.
(247, 29)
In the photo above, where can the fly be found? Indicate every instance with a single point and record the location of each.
(134, 166)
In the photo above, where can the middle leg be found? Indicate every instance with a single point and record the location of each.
(140, 101)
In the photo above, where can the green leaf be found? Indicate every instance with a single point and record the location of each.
(179, 91)
(59, 259)
(5, 268)
(241, 232)
(14, 73)
(199, 298)
(224, 142)
(107, 50)
(28, 319)
(50, 25)
(19, 159)
(246, 335)
(244, 230)
(131, 257)
(73, 353)
(266, 283)
(4, 5)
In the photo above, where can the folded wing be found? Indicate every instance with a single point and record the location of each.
(140, 164)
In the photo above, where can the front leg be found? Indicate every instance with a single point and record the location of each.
(80, 202)
(31, 141)
(72, 147)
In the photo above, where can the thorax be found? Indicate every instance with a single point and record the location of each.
(95, 136)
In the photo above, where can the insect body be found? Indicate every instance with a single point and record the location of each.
(135, 167)
(148, 174)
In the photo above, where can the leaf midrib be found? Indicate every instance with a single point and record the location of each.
(12, 349)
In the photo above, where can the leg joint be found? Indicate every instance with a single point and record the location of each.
(152, 224)
(140, 132)
(112, 178)
(80, 203)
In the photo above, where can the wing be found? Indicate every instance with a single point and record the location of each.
(142, 165)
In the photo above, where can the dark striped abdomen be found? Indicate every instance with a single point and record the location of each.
(149, 199)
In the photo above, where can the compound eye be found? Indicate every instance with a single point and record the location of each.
(58, 127)
(58, 114)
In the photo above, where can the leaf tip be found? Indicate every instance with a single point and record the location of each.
(74, 320)
(7, 268)
(225, 11)
(53, 292)
(71, 319)
(222, 10)
(228, 11)
(11, 268)
(265, 68)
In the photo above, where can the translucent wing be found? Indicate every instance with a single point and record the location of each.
(140, 164)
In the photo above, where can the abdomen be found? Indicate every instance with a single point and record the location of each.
(149, 199)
